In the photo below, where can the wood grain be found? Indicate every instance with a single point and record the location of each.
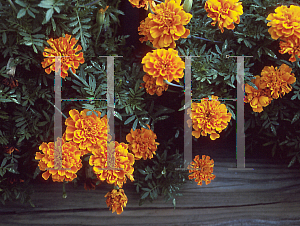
(268, 195)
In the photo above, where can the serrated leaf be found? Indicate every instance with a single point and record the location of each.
(135, 124)
(21, 13)
(49, 14)
(20, 3)
(4, 37)
(30, 13)
(145, 195)
(129, 119)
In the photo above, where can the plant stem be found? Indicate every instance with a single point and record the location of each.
(64, 190)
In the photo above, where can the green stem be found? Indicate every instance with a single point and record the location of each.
(74, 74)
(64, 190)
(13, 6)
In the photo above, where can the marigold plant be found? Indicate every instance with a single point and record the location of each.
(163, 65)
(123, 159)
(202, 169)
(86, 131)
(151, 87)
(279, 80)
(208, 117)
(285, 22)
(142, 143)
(291, 46)
(225, 12)
(258, 98)
(116, 200)
(166, 24)
(70, 58)
(70, 159)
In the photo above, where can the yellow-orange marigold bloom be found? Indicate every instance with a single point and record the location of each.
(258, 98)
(225, 12)
(69, 157)
(86, 130)
(163, 65)
(151, 87)
(142, 3)
(291, 46)
(209, 117)
(123, 159)
(202, 170)
(279, 80)
(116, 200)
(166, 24)
(142, 143)
(285, 22)
(62, 46)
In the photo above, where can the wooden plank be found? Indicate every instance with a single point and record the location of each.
(269, 195)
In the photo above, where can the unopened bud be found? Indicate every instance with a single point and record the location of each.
(101, 16)
(187, 5)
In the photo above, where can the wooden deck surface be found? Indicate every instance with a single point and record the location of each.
(268, 195)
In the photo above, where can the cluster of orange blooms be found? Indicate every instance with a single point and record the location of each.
(285, 25)
(87, 134)
(272, 84)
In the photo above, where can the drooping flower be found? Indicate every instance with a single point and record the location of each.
(285, 22)
(258, 98)
(69, 157)
(142, 143)
(163, 65)
(87, 131)
(279, 80)
(166, 24)
(151, 87)
(209, 117)
(142, 3)
(116, 200)
(123, 159)
(11, 82)
(225, 12)
(70, 58)
(291, 46)
(202, 169)
(10, 150)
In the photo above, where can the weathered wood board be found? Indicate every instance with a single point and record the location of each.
(268, 195)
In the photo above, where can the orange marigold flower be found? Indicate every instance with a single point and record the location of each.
(225, 12)
(86, 131)
(258, 98)
(163, 65)
(10, 150)
(62, 46)
(209, 117)
(285, 22)
(142, 3)
(70, 159)
(279, 80)
(142, 143)
(116, 200)
(123, 159)
(202, 170)
(291, 46)
(151, 87)
(166, 24)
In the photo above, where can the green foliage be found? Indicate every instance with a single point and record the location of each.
(159, 176)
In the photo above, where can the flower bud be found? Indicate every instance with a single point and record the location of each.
(187, 5)
(101, 16)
